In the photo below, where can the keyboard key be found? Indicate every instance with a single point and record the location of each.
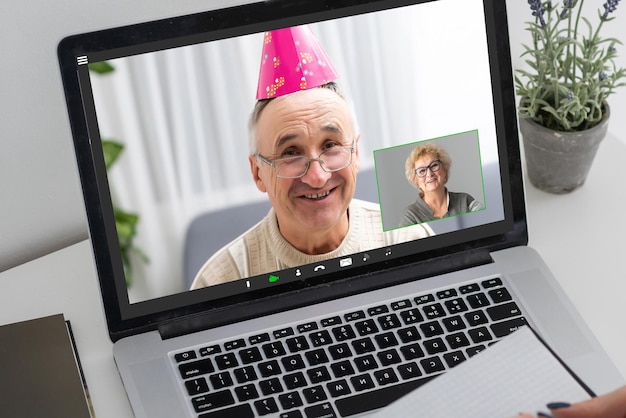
(246, 393)
(314, 394)
(245, 374)
(476, 318)
(270, 386)
(499, 295)
(454, 358)
(412, 351)
(507, 310)
(472, 351)
(239, 411)
(504, 328)
(294, 380)
(266, 406)
(377, 310)
(430, 329)
(386, 376)
(212, 401)
(353, 316)
(434, 311)
(324, 410)
(344, 332)
(339, 351)
(409, 371)
(434, 346)
(388, 357)
(432, 365)
(453, 323)
(187, 355)
(318, 374)
(330, 322)
(411, 316)
(207, 351)
(221, 380)
(456, 305)
(196, 368)
(274, 349)
(269, 368)
(292, 363)
(362, 382)
(233, 345)
(316, 357)
(250, 355)
(492, 283)
(257, 339)
(342, 368)
(386, 340)
(364, 363)
(479, 335)
(478, 300)
(226, 361)
(298, 343)
(197, 386)
(285, 332)
(388, 322)
(445, 294)
(408, 335)
(457, 340)
(401, 304)
(320, 338)
(309, 326)
(364, 345)
(366, 327)
(290, 400)
(368, 401)
(338, 388)
(469, 288)
(292, 414)
(420, 300)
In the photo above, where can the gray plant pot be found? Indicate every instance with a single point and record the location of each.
(558, 162)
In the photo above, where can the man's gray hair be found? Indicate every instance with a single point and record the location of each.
(261, 104)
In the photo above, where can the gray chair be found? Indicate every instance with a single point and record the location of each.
(210, 231)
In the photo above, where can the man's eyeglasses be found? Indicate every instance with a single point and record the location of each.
(335, 159)
(433, 167)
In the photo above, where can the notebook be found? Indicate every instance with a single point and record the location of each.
(538, 374)
(410, 300)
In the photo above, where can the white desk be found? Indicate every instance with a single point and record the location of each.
(579, 235)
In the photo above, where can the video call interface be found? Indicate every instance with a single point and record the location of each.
(182, 114)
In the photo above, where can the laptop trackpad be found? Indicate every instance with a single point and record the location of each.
(551, 314)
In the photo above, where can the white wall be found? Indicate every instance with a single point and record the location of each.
(41, 207)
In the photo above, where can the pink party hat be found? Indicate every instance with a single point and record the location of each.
(293, 60)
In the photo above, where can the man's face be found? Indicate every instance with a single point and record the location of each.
(306, 123)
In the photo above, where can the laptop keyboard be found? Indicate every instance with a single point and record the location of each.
(349, 362)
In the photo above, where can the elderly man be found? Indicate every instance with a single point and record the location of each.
(304, 154)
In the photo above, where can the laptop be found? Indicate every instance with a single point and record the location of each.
(343, 336)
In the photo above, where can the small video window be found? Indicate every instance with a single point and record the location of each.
(431, 180)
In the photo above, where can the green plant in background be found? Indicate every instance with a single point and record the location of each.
(125, 222)
(572, 67)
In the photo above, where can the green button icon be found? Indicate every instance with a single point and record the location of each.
(273, 278)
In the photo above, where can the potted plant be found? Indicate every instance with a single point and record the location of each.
(563, 109)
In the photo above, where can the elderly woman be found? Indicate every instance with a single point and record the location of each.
(427, 169)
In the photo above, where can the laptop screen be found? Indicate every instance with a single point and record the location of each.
(181, 195)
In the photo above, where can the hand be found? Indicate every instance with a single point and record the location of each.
(611, 405)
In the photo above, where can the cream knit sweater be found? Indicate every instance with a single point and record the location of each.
(262, 249)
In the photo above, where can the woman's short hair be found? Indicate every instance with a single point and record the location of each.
(429, 148)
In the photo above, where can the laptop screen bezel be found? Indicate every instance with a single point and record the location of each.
(124, 318)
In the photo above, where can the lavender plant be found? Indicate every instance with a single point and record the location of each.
(572, 69)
